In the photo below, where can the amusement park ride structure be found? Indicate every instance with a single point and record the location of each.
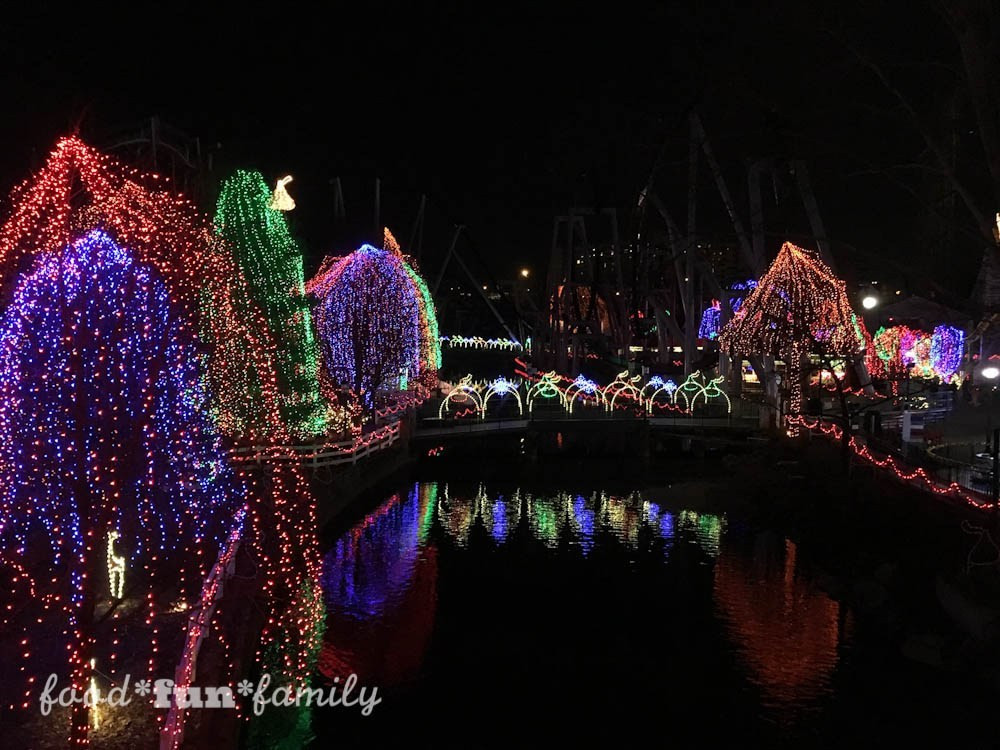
(603, 295)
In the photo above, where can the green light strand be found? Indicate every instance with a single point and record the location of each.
(271, 261)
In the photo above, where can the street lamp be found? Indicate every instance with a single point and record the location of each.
(525, 273)
(869, 301)
(990, 373)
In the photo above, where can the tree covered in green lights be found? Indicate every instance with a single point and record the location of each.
(256, 231)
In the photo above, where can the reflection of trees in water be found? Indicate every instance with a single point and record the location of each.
(380, 584)
(787, 631)
(574, 518)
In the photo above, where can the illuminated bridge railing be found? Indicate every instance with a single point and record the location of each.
(336, 453)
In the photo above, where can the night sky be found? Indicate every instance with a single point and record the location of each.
(505, 118)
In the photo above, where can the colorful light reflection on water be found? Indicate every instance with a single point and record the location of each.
(472, 607)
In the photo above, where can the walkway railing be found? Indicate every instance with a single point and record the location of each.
(335, 453)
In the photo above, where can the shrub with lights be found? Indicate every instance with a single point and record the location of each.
(252, 223)
(799, 307)
(376, 323)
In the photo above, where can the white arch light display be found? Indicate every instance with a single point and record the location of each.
(664, 386)
(546, 388)
(478, 342)
(693, 391)
(501, 387)
(582, 387)
(464, 389)
(621, 384)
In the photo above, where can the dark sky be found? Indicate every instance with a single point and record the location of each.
(502, 117)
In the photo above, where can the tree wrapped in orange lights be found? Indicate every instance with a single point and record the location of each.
(799, 307)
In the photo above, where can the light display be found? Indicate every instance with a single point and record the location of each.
(710, 321)
(690, 388)
(546, 388)
(255, 231)
(947, 350)
(376, 322)
(799, 307)
(456, 341)
(125, 353)
(79, 189)
(280, 199)
(669, 387)
(622, 385)
(502, 387)
(918, 476)
(901, 351)
(711, 318)
(585, 389)
(116, 568)
(710, 391)
(465, 391)
(107, 430)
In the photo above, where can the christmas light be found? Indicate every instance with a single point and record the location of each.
(456, 341)
(546, 388)
(502, 387)
(710, 321)
(116, 567)
(280, 199)
(263, 249)
(622, 384)
(102, 402)
(947, 350)
(375, 320)
(799, 307)
(463, 391)
(581, 388)
(127, 353)
(918, 476)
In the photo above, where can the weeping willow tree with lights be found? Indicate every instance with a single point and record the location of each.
(251, 221)
(376, 322)
(799, 307)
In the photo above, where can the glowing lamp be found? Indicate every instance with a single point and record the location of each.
(990, 373)
(869, 302)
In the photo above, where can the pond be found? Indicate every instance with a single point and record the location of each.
(501, 615)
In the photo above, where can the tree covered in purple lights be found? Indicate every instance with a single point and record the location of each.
(104, 429)
(371, 322)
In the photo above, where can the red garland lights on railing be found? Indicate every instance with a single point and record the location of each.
(916, 476)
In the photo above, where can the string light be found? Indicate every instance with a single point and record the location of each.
(116, 568)
(916, 476)
(376, 321)
(799, 307)
(128, 351)
(254, 229)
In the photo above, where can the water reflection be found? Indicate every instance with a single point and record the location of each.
(380, 586)
(574, 518)
(381, 582)
(787, 631)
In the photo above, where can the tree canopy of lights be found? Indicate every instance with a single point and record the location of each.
(271, 262)
(165, 229)
(799, 307)
(947, 349)
(901, 350)
(106, 430)
(376, 322)
(126, 317)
